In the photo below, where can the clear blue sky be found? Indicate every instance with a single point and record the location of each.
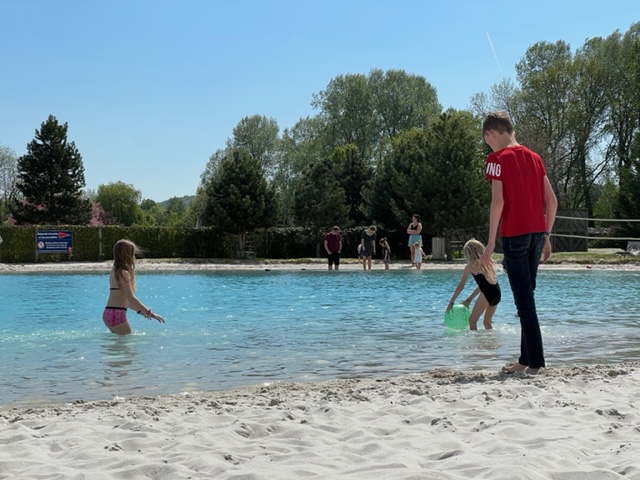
(151, 88)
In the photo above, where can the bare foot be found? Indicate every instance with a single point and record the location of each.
(514, 367)
(531, 371)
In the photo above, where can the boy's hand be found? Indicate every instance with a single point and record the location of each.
(546, 250)
(486, 256)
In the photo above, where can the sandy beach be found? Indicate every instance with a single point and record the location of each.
(562, 424)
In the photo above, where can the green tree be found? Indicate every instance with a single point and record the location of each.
(369, 110)
(300, 146)
(455, 187)
(622, 58)
(51, 179)
(121, 201)
(437, 172)
(175, 210)
(543, 118)
(258, 135)
(347, 111)
(8, 181)
(629, 193)
(353, 174)
(588, 112)
(153, 213)
(239, 200)
(320, 199)
(195, 211)
(401, 101)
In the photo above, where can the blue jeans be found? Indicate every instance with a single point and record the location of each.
(521, 260)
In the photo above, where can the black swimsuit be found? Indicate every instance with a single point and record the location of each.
(490, 291)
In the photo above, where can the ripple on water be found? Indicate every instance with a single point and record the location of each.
(227, 329)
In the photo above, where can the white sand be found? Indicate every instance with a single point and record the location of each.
(570, 424)
(577, 424)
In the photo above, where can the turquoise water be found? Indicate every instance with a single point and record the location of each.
(228, 329)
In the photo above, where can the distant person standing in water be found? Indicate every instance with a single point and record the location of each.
(368, 246)
(523, 206)
(415, 235)
(122, 287)
(333, 246)
(386, 252)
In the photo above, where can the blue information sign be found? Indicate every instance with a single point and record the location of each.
(54, 241)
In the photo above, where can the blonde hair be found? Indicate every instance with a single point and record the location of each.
(473, 251)
(124, 255)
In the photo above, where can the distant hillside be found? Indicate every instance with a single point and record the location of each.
(187, 200)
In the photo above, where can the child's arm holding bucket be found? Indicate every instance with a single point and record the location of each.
(459, 288)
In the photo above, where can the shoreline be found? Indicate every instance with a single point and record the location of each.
(442, 424)
(562, 424)
(185, 265)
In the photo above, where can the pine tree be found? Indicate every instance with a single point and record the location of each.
(50, 179)
(239, 199)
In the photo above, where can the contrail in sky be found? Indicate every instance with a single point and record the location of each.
(494, 53)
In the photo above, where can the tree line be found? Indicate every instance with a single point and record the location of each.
(379, 148)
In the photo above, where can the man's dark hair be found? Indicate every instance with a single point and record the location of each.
(498, 121)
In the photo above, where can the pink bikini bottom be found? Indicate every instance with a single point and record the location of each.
(113, 316)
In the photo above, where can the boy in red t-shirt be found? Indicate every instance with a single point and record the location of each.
(524, 206)
(333, 246)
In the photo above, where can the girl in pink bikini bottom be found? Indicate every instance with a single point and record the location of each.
(113, 316)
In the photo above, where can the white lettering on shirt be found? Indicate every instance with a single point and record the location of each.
(493, 170)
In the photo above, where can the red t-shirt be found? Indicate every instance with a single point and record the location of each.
(333, 242)
(522, 173)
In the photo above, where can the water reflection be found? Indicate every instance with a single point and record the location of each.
(119, 353)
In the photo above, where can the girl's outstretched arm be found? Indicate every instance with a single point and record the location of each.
(134, 302)
(459, 288)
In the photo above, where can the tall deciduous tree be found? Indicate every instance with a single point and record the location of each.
(239, 199)
(542, 119)
(51, 179)
(629, 193)
(8, 178)
(401, 101)
(300, 146)
(121, 201)
(369, 110)
(258, 136)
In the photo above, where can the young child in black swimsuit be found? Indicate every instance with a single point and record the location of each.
(485, 277)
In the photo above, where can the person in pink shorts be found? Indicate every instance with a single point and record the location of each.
(122, 287)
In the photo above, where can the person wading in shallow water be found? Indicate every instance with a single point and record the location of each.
(122, 287)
